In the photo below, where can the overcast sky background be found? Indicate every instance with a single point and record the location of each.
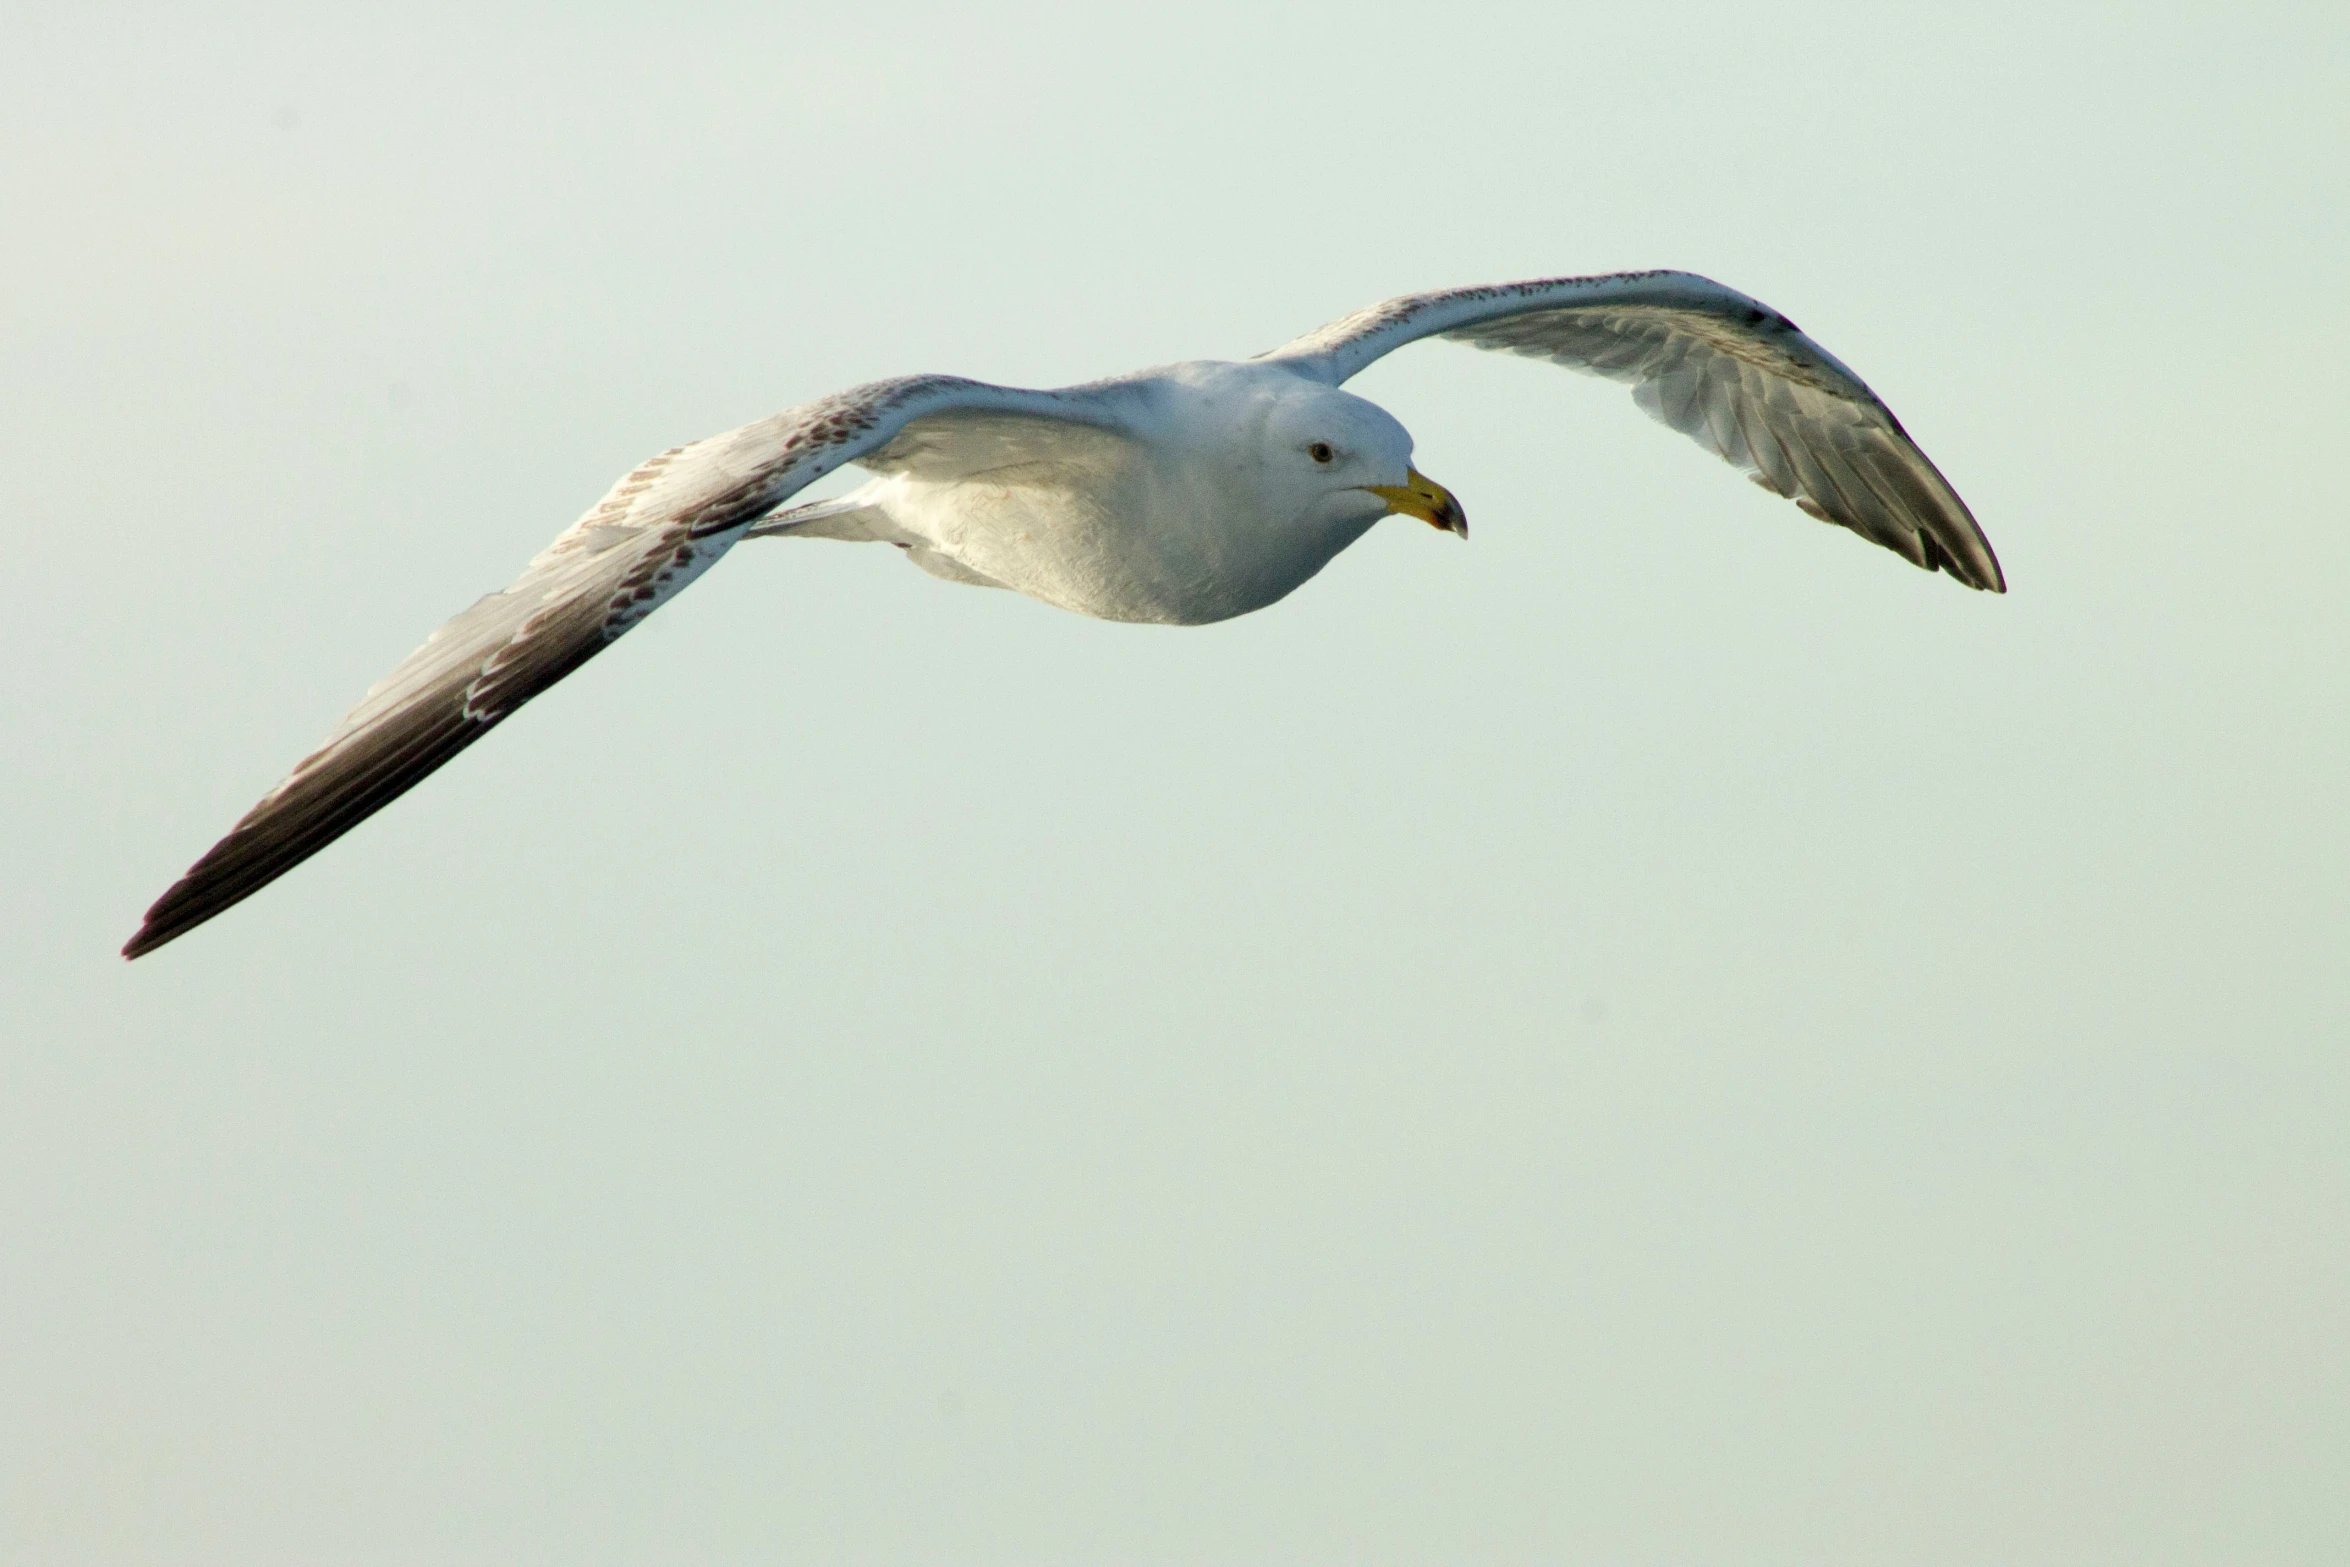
(1659, 1035)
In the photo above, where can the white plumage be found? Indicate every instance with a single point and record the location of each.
(1181, 495)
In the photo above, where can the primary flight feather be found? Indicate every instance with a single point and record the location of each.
(1181, 495)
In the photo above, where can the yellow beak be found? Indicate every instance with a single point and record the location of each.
(1422, 497)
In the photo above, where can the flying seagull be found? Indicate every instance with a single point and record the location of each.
(1181, 495)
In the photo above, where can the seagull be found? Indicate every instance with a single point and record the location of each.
(1180, 496)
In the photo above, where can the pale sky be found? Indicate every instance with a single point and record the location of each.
(1659, 1035)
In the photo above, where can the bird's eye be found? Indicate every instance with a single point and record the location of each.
(1320, 451)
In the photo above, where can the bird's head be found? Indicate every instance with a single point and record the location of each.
(1350, 461)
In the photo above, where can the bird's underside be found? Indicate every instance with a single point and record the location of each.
(1129, 498)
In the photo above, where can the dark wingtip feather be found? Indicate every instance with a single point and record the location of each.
(361, 771)
(1986, 578)
(311, 811)
(1996, 580)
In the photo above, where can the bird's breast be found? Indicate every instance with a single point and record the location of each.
(1125, 547)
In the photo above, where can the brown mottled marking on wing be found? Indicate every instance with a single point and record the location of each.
(666, 522)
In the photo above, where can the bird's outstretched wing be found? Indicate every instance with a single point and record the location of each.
(1734, 375)
(662, 526)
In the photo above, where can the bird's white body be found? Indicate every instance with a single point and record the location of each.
(1194, 499)
(1181, 495)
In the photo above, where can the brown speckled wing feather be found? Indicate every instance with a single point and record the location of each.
(663, 525)
(1734, 375)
